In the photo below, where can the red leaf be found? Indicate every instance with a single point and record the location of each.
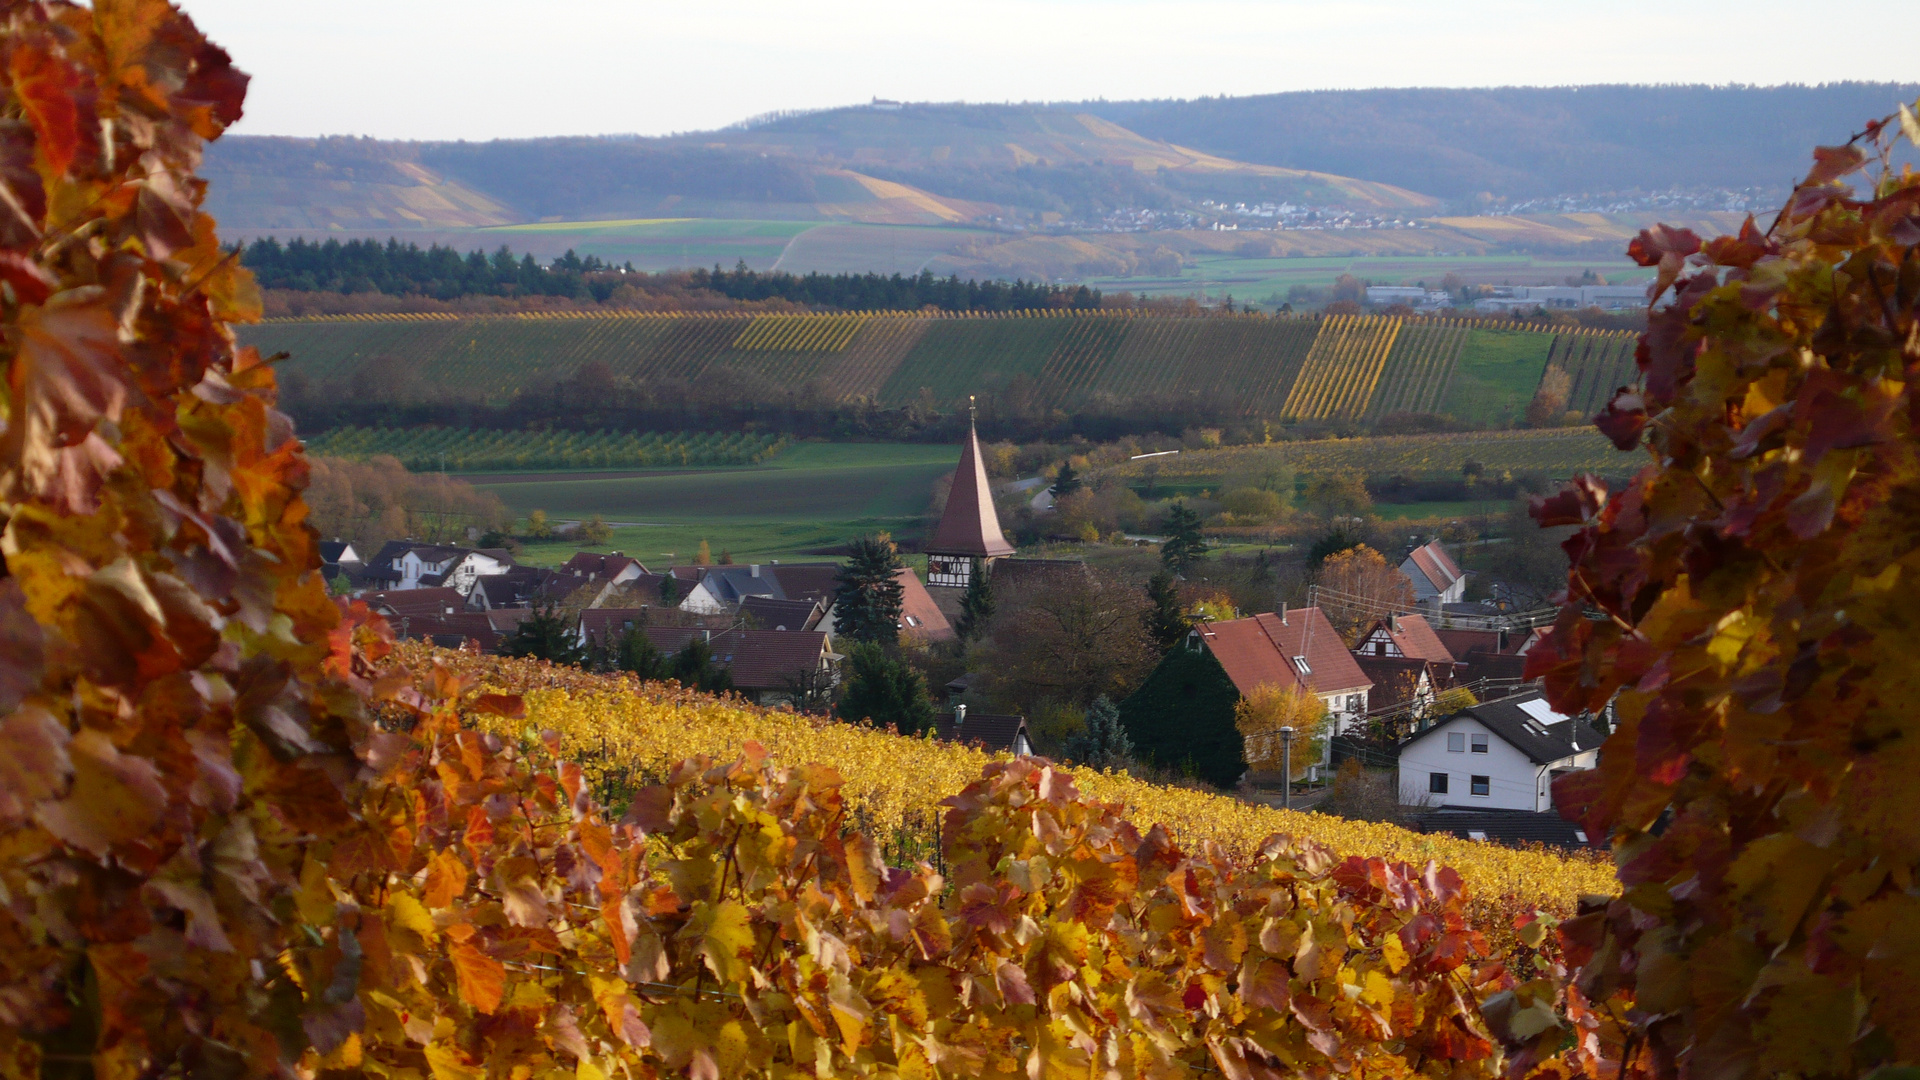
(1624, 420)
(50, 90)
(1830, 163)
(31, 284)
(1579, 502)
(511, 706)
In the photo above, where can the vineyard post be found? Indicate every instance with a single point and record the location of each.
(1286, 767)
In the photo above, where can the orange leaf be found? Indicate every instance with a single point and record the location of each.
(482, 979)
(446, 879)
(51, 92)
(115, 798)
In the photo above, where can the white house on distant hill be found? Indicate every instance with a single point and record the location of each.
(1499, 755)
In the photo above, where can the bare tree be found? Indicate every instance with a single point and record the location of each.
(1070, 640)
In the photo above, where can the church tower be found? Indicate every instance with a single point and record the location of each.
(969, 529)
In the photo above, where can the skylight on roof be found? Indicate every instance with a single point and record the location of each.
(1300, 664)
(1541, 712)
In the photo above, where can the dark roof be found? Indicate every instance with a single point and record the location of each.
(756, 659)
(969, 525)
(1480, 664)
(1009, 576)
(331, 550)
(1510, 827)
(607, 625)
(593, 565)
(1542, 741)
(416, 603)
(520, 585)
(734, 582)
(770, 614)
(806, 581)
(1396, 679)
(452, 631)
(994, 731)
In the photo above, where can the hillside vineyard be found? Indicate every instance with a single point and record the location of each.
(1338, 368)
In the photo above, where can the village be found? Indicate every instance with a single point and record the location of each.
(1425, 701)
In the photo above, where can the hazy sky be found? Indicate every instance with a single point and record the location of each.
(479, 69)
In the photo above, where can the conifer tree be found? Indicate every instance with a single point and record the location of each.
(1066, 481)
(1184, 546)
(1166, 624)
(636, 655)
(545, 635)
(1104, 744)
(670, 591)
(885, 690)
(694, 668)
(867, 598)
(976, 604)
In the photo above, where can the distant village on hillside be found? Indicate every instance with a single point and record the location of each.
(1432, 692)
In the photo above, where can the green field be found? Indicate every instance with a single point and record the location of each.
(814, 495)
(477, 450)
(1555, 452)
(1348, 368)
(657, 243)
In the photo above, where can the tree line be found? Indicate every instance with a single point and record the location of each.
(877, 292)
(443, 273)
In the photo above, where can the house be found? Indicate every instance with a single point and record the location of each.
(518, 587)
(404, 564)
(1404, 688)
(994, 732)
(599, 574)
(720, 589)
(920, 618)
(768, 667)
(1183, 714)
(1436, 578)
(1490, 656)
(1407, 636)
(1498, 755)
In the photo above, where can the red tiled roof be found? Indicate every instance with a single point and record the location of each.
(608, 625)
(969, 526)
(773, 614)
(594, 564)
(917, 607)
(1434, 562)
(806, 581)
(1414, 637)
(1306, 632)
(1247, 654)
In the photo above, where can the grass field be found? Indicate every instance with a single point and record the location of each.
(1496, 376)
(1555, 452)
(813, 495)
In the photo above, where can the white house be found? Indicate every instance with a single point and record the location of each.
(1436, 577)
(402, 564)
(1499, 755)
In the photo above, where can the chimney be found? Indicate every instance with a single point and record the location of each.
(1283, 613)
(707, 636)
(1393, 624)
(754, 569)
(959, 718)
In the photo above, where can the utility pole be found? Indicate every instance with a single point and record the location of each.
(1286, 768)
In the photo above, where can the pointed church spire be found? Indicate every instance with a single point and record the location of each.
(969, 527)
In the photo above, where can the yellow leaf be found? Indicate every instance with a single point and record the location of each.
(726, 939)
(407, 914)
(587, 1070)
(1395, 952)
(1377, 990)
(448, 1063)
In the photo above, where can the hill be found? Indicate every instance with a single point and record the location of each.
(1517, 143)
(1342, 370)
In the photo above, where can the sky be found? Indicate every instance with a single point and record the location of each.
(483, 69)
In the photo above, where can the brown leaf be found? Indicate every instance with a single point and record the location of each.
(33, 760)
(115, 797)
(66, 375)
(22, 649)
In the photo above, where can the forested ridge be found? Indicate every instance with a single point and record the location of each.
(443, 273)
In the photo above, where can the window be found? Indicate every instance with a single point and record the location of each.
(1379, 648)
(1476, 834)
(1479, 744)
(1300, 665)
(911, 621)
(1482, 785)
(1581, 834)
(1437, 783)
(1353, 703)
(1456, 742)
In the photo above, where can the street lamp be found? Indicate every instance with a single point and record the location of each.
(1286, 768)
